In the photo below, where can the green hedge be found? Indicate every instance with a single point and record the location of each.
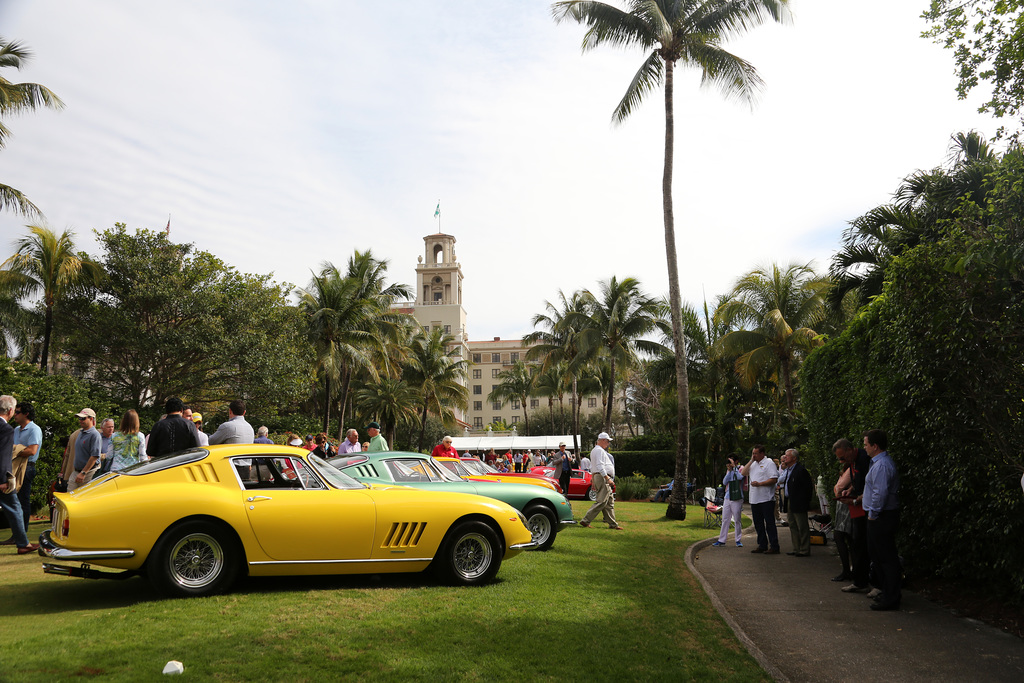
(648, 463)
(936, 362)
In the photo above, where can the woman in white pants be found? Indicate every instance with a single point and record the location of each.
(732, 509)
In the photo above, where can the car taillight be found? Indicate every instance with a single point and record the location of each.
(65, 528)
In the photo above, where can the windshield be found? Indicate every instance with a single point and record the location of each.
(456, 467)
(334, 476)
(478, 467)
(444, 472)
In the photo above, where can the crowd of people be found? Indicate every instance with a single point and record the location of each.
(866, 520)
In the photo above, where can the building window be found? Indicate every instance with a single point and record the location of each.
(426, 328)
(478, 422)
(515, 419)
(437, 296)
(496, 419)
(515, 404)
(515, 356)
(476, 357)
(534, 403)
(476, 374)
(591, 402)
(447, 329)
(478, 405)
(494, 372)
(495, 357)
(477, 389)
(496, 405)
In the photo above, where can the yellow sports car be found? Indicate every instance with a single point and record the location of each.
(471, 468)
(193, 521)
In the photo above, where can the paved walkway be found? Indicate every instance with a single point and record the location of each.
(801, 627)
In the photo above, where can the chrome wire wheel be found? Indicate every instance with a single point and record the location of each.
(472, 556)
(195, 561)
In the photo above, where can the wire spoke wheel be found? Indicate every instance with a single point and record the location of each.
(196, 560)
(472, 556)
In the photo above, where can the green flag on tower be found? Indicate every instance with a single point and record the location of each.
(437, 211)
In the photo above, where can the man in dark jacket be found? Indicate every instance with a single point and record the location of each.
(173, 433)
(799, 489)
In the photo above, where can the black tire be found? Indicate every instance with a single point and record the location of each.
(470, 554)
(591, 494)
(193, 559)
(543, 526)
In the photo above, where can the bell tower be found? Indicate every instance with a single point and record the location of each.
(439, 290)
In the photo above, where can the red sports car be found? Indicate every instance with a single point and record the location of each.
(579, 482)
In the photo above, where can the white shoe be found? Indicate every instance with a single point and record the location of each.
(853, 588)
(874, 592)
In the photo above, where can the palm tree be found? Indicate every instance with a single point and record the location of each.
(438, 374)
(46, 263)
(614, 328)
(516, 383)
(17, 98)
(550, 383)
(776, 310)
(389, 401)
(556, 342)
(690, 32)
(352, 325)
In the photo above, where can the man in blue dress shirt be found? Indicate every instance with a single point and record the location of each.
(881, 503)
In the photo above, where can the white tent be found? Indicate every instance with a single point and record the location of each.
(502, 444)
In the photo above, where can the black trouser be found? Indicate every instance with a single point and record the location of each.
(844, 543)
(859, 554)
(882, 547)
(563, 481)
(764, 524)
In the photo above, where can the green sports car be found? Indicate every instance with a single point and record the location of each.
(545, 510)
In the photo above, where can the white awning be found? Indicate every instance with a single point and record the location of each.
(502, 444)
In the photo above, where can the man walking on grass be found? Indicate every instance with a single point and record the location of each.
(603, 465)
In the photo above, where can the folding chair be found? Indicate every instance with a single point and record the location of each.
(712, 512)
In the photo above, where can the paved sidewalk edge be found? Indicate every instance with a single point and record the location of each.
(753, 649)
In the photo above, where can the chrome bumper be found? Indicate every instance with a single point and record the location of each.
(524, 546)
(48, 548)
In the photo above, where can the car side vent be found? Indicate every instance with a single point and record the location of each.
(202, 473)
(366, 471)
(404, 535)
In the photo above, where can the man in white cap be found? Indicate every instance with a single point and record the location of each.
(603, 469)
(562, 466)
(87, 450)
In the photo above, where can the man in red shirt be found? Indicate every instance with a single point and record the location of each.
(444, 449)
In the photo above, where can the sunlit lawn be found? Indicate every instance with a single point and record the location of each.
(601, 605)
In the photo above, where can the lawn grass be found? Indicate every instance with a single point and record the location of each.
(601, 605)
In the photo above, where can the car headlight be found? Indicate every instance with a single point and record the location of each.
(522, 519)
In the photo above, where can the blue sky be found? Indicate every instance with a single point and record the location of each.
(278, 135)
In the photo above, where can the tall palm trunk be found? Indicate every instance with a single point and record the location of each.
(346, 377)
(47, 331)
(551, 412)
(677, 501)
(327, 402)
(575, 417)
(610, 403)
(423, 426)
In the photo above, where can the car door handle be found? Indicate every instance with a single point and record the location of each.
(255, 498)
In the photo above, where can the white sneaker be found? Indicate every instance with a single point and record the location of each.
(853, 588)
(874, 592)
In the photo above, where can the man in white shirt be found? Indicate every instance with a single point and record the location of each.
(603, 465)
(351, 443)
(762, 474)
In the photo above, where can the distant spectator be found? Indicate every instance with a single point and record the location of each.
(173, 433)
(762, 474)
(29, 435)
(197, 420)
(87, 450)
(377, 441)
(9, 498)
(236, 429)
(323, 447)
(309, 443)
(445, 449)
(106, 448)
(585, 463)
(799, 491)
(293, 439)
(262, 436)
(129, 448)
(351, 443)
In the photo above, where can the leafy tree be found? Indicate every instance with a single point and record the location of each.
(515, 383)
(775, 310)
(46, 263)
(436, 371)
(170, 320)
(987, 39)
(17, 98)
(614, 328)
(690, 32)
